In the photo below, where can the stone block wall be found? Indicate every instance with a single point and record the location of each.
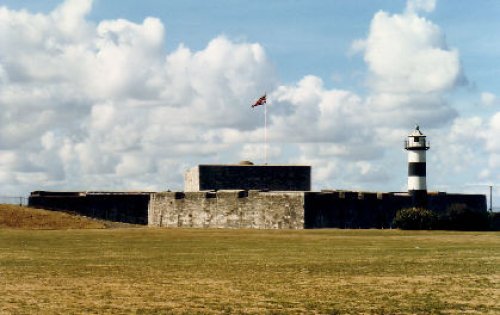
(228, 209)
(290, 210)
(248, 209)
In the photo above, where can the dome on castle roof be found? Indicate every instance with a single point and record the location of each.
(246, 163)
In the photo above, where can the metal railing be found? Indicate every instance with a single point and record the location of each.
(425, 145)
(14, 200)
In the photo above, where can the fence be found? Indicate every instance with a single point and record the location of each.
(14, 200)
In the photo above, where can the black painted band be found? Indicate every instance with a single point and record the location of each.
(419, 197)
(416, 169)
(417, 148)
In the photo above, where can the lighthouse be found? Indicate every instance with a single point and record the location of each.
(416, 145)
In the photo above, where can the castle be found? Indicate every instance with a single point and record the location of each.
(263, 197)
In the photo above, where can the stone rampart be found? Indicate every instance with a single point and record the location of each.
(248, 208)
(129, 207)
(228, 209)
(352, 210)
(290, 210)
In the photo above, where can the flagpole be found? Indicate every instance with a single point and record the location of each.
(265, 134)
(262, 102)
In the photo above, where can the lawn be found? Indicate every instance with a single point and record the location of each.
(187, 271)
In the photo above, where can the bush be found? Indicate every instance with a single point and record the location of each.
(415, 219)
(461, 217)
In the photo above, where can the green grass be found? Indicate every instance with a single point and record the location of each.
(183, 271)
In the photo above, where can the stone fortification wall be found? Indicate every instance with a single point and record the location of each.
(248, 209)
(339, 209)
(352, 210)
(228, 209)
(114, 206)
(248, 177)
(441, 201)
(291, 210)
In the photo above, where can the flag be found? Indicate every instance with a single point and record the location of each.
(260, 101)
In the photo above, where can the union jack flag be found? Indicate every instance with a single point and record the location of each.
(260, 101)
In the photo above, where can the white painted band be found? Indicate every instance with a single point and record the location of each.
(416, 156)
(417, 183)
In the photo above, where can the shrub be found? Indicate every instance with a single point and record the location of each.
(415, 219)
(461, 217)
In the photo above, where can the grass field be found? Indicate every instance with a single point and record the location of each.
(167, 271)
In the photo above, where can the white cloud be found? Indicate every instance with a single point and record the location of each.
(488, 99)
(312, 113)
(492, 133)
(134, 165)
(86, 100)
(332, 171)
(70, 16)
(104, 106)
(408, 54)
(255, 152)
(489, 133)
(455, 150)
(414, 6)
(410, 69)
(402, 110)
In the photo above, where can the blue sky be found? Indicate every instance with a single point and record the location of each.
(128, 102)
(303, 36)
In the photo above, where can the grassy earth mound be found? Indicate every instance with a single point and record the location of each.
(18, 217)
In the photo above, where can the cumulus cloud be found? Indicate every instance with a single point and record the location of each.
(103, 105)
(410, 71)
(452, 148)
(406, 53)
(410, 68)
(493, 143)
(333, 113)
(470, 148)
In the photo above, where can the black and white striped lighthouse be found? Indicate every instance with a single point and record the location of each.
(416, 145)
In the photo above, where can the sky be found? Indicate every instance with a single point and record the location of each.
(127, 95)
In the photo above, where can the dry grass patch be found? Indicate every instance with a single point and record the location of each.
(18, 217)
